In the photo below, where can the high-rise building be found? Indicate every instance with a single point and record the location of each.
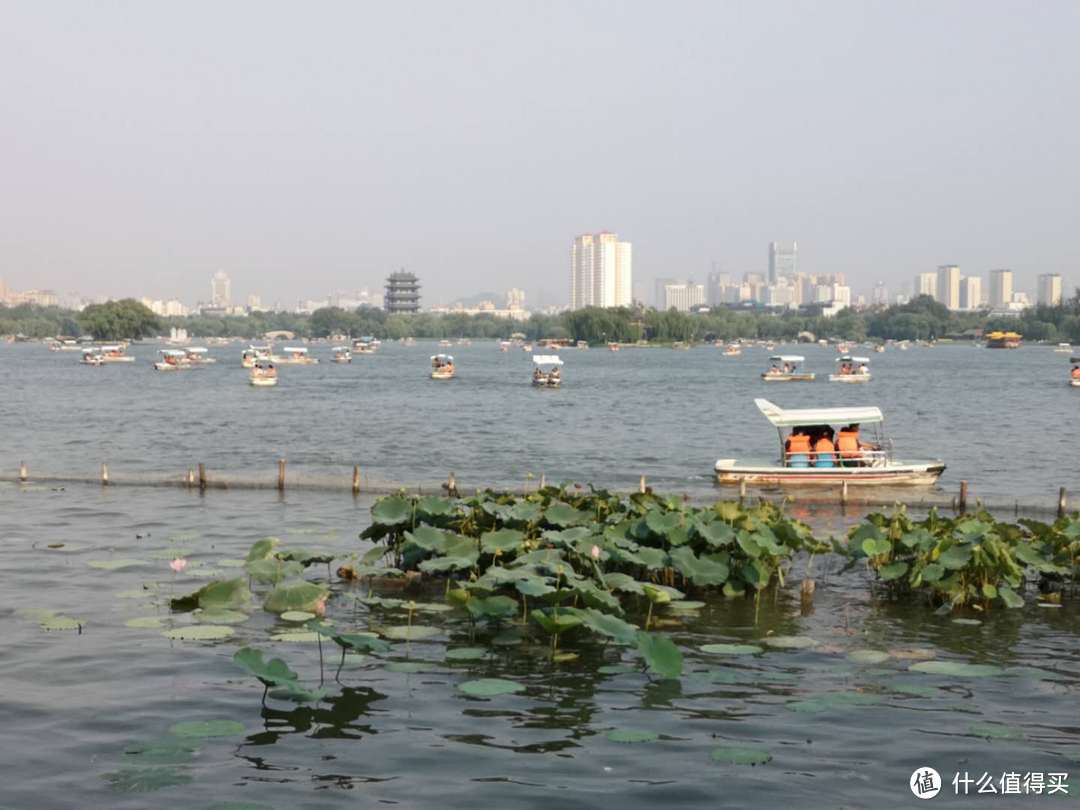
(220, 290)
(402, 292)
(880, 295)
(1001, 288)
(683, 295)
(515, 299)
(601, 271)
(925, 284)
(1050, 289)
(783, 261)
(948, 286)
(971, 293)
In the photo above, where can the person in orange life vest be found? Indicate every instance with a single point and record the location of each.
(848, 446)
(797, 449)
(824, 449)
(1076, 373)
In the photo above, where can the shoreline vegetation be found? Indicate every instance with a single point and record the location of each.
(921, 319)
(564, 564)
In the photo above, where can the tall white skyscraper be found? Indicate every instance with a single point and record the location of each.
(1050, 289)
(1001, 288)
(220, 289)
(683, 295)
(970, 292)
(948, 286)
(925, 284)
(783, 261)
(601, 271)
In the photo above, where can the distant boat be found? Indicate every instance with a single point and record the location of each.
(784, 368)
(851, 370)
(172, 360)
(198, 356)
(263, 375)
(733, 350)
(1003, 340)
(613, 347)
(342, 354)
(92, 357)
(365, 345)
(295, 356)
(547, 371)
(252, 354)
(442, 367)
(1064, 348)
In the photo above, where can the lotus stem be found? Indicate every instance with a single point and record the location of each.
(318, 638)
(337, 675)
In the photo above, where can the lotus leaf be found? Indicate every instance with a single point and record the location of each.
(114, 565)
(558, 622)
(996, 731)
(440, 564)
(262, 549)
(415, 632)
(466, 654)
(167, 751)
(295, 637)
(1010, 597)
(502, 541)
(740, 756)
(869, 657)
(661, 655)
(563, 515)
(608, 625)
(893, 571)
(201, 729)
(534, 586)
(490, 687)
(199, 632)
(391, 511)
(623, 582)
(305, 596)
(717, 533)
(699, 570)
(955, 557)
(431, 506)
(790, 642)
(273, 570)
(956, 668)
(58, 622)
(732, 649)
(227, 594)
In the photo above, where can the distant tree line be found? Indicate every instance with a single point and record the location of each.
(921, 319)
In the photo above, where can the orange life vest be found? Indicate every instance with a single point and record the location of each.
(798, 443)
(847, 442)
(1076, 373)
(824, 447)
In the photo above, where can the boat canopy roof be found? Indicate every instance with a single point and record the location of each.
(91, 350)
(447, 358)
(112, 347)
(850, 358)
(198, 350)
(296, 349)
(787, 358)
(173, 352)
(547, 360)
(818, 416)
(340, 349)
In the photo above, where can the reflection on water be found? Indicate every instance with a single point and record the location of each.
(845, 719)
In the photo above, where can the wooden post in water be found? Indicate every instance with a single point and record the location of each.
(843, 492)
(641, 485)
(281, 475)
(202, 477)
(742, 489)
(1062, 503)
(451, 486)
(356, 479)
(543, 481)
(22, 471)
(962, 504)
(190, 478)
(104, 474)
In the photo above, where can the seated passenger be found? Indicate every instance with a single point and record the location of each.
(848, 446)
(797, 449)
(824, 450)
(1076, 373)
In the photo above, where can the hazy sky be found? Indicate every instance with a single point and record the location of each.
(311, 147)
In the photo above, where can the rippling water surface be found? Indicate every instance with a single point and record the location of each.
(843, 729)
(1003, 420)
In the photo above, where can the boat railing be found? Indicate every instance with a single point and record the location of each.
(864, 458)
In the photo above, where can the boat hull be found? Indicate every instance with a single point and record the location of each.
(123, 359)
(788, 377)
(442, 375)
(850, 378)
(1074, 383)
(263, 382)
(896, 474)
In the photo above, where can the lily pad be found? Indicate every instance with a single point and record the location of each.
(740, 756)
(168, 751)
(957, 668)
(145, 780)
(58, 622)
(868, 657)
(732, 649)
(296, 637)
(466, 654)
(304, 596)
(297, 616)
(199, 632)
(996, 731)
(971, 622)
(490, 687)
(790, 642)
(625, 735)
(145, 622)
(114, 565)
(199, 729)
(415, 632)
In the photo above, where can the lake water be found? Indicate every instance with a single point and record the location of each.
(842, 730)
(1002, 420)
(843, 727)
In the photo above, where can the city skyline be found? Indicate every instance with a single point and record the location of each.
(142, 151)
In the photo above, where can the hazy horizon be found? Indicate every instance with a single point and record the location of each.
(310, 149)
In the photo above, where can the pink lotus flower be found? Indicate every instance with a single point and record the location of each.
(595, 552)
(319, 609)
(178, 565)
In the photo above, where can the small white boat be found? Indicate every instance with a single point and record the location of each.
(114, 353)
(442, 367)
(263, 375)
(851, 369)
(92, 357)
(867, 464)
(733, 350)
(1064, 348)
(785, 368)
(295, 356)
(64, 344)
(547, 371)
(504, 345)
(1074, 378)
(342, 354)
(199, 356)
(253, 354)
(445, 344)
(582, 344)
(172, 360)
(527, 348)
(365, 345)
(613, 347)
